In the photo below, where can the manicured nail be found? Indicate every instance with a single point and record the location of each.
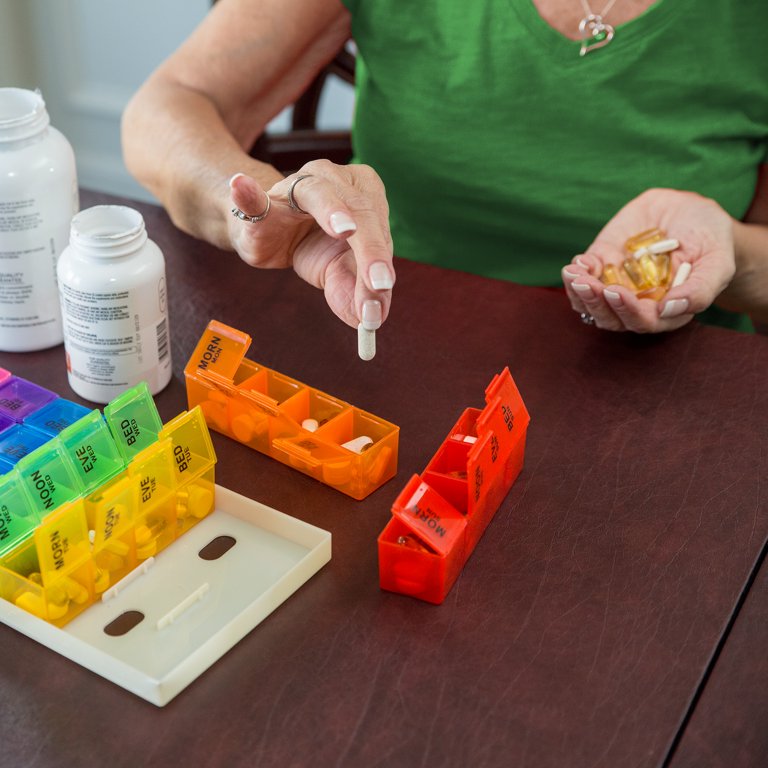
(380, 276)
(371, 315)
(583, 264)
(584, 291)
(234, 177)
(674, 307)
(342, 222)
(682, 274)
(571, 275)
(613, 298)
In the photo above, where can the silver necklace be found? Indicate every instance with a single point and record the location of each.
(595, 33)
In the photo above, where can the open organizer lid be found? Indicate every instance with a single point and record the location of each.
(497, 429)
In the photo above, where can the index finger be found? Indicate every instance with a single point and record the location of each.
(348, 203)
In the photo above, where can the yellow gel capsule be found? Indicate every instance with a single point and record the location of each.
(610, 275)
(648, 268)
(656, 293)
(636, 275)
(644, 239)
(662, 262)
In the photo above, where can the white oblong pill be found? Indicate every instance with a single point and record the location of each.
(682, 273)
(366, 343)
(664, 246)
(358, 444)
(310, 425)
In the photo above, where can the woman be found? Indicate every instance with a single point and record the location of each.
(502, 134)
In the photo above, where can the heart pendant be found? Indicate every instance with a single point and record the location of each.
(594, 33)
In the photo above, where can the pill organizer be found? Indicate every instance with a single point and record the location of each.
(78, 517)
(326, 438)
(440, 515)
(87, 519)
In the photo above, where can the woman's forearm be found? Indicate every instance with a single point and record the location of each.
(177, 145)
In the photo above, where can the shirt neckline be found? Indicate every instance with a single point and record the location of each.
(566, 51)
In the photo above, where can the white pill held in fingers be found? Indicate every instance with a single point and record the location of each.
(358, 444)
(310, 424)
(682, 274)
(664, 246)
(366, 343)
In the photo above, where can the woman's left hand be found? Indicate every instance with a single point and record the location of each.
(705, 234)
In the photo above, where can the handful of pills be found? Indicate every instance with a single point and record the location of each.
(648, 269)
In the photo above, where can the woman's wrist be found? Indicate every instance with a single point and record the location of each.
(748, 290)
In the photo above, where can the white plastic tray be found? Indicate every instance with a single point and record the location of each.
(194, 610)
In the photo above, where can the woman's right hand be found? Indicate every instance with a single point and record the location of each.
(341, 244)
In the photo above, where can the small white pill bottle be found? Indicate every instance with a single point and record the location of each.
(114, 305)
(38, 197)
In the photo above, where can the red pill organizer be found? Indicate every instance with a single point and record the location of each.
(440, 515)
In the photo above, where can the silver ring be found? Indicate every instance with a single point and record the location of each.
(587, 319)
(238, 214)
(291, 199)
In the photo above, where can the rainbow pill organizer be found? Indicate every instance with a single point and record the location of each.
(326, 438)
(440, 515)
(119, 551)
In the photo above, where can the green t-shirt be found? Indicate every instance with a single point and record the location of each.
(504, 152)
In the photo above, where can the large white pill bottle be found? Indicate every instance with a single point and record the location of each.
(38, 197)
(113, 300)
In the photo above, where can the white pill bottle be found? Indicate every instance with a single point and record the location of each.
(38, 198)
(114, 305)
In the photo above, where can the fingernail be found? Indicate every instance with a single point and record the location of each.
(380, 276)
(234, 177)
(585, 290)
(682, 274)
(674, 307)
(571, 275)
(583, 264)
(613, 298)
(342, 222)
(371, 315)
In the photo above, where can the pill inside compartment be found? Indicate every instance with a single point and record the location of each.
(155, 518)
(368, 448)
(109, 514)
(41, 590)
(257, 408)
(308, 441)
(409, 560)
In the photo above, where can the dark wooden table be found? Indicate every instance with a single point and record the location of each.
(589, 628)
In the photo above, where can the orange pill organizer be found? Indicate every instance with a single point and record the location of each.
(326, 438)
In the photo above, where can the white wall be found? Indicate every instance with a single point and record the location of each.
(89, 56)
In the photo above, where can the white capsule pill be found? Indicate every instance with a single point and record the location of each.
(664, 246)
(682, 273)
(366, 343)
(310, 425)
(358, 444)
